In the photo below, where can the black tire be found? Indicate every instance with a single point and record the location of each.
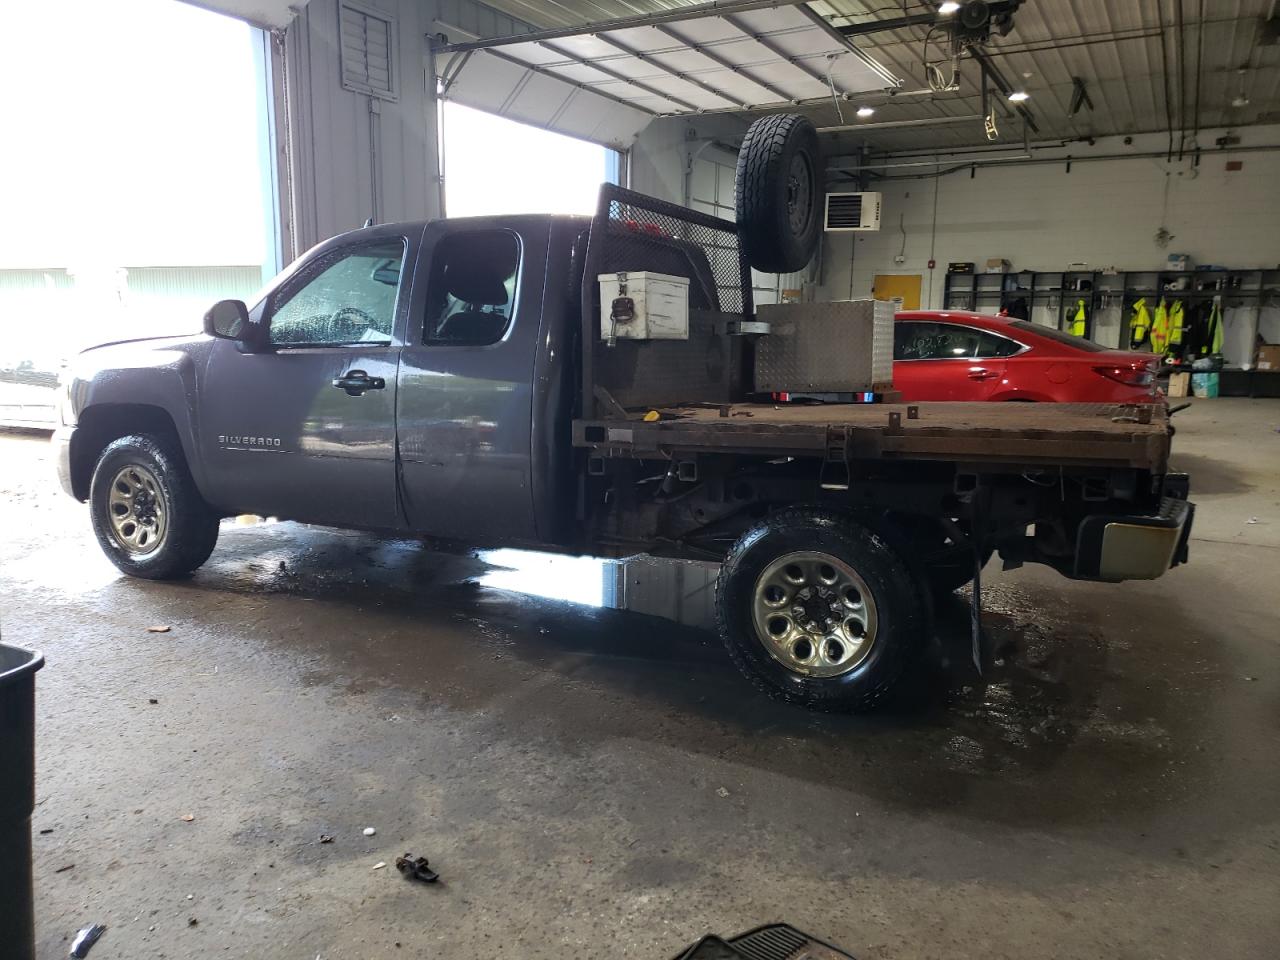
(778, 193)
(901, 608)
(190, 527)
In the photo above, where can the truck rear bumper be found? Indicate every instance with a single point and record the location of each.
(1143, 547)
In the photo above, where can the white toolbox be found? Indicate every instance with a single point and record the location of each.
(643, 306)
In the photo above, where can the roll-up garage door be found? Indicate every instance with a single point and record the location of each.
(606, 81)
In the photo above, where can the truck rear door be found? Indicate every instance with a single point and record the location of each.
(465, 400)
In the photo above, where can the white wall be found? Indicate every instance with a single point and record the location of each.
(1040, 217)
(660, 158)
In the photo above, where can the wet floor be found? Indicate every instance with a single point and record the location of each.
(592, 781)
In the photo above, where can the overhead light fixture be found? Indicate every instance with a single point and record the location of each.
(1018, 96)
(949, 7)
(1241, 98)
(866, 111)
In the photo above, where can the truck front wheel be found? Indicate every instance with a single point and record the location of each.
(149, 518)
(818, 610)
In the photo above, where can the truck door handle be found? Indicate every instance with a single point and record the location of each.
(356, 382)
(981, 373)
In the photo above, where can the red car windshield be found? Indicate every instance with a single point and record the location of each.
(1078, 342)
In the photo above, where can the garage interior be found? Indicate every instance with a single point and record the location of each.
(566, 738)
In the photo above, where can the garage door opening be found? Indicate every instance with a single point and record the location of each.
(492, 165)
(134, 201)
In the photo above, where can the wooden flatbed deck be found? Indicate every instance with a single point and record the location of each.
(1066, 434)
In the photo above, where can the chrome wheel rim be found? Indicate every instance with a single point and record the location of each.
(138, 509)
(814, 614)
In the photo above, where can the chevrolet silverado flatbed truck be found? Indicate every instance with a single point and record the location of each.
(450, 380)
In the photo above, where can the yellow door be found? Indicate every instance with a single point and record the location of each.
(898, 286)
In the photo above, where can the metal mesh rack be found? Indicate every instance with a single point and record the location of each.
(635, 232)
(632, 232)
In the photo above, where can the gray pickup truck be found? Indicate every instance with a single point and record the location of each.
(451, 380)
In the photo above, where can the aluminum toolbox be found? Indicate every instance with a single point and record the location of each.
(846, 346)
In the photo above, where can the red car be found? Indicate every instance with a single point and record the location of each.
(956, 355)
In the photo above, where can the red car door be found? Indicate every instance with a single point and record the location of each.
(946, 361)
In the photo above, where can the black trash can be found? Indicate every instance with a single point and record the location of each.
(17, 797)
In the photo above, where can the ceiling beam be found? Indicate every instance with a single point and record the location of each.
(880, 26)
(991, 70)
(823, 24)
(896, 124)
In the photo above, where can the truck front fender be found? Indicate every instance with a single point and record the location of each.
(146, 387)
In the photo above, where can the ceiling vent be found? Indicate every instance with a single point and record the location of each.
(852, 211)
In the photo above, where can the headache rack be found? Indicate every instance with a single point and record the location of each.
(630, 233)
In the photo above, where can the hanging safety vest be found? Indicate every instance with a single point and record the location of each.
(1080, 321)
(1176, 325)
(1212, 341)
(1139, 324)
(1160, 328)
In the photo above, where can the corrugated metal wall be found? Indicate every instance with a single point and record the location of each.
(206, 284)
(352, 156)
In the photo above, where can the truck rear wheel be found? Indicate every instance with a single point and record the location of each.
(817, 610)
(149, 518)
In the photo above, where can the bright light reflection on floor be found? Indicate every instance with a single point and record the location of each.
(575, 579)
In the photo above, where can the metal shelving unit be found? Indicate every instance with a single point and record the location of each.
(1050, 294)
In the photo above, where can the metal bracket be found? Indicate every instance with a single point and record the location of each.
(738, 328)
(835, 467)
(606, 398)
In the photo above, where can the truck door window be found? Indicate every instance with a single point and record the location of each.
(346, 297)
(471, 295)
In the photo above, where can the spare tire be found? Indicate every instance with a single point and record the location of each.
(778, 193)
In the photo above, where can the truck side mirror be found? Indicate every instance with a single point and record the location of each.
(227, 319)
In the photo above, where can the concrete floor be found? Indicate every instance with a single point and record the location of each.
(588, 777)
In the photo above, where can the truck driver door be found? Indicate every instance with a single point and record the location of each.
(305, 429)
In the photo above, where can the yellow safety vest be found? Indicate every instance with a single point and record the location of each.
(1139, 324)
(1160, 328)
(1212, 342)
(1175, 323)
(1079, 321)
